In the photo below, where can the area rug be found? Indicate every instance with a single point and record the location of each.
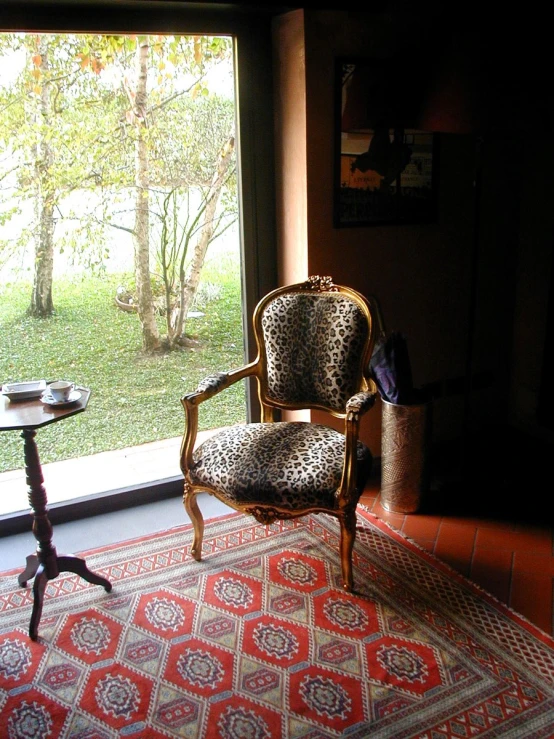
(259, 640)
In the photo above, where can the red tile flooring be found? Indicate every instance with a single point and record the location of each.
(503, 542)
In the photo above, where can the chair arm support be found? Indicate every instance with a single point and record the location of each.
(356, 406)
(207, 388)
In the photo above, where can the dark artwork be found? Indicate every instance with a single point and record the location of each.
(385, 168)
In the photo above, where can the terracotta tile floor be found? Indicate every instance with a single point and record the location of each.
(492, 532)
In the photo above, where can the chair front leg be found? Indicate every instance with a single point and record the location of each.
(191, 507)
(347, 537)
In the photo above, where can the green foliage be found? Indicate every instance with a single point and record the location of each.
(135, 398)
(194, 131)
(90, 128)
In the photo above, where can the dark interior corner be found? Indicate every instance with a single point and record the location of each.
(488, 475)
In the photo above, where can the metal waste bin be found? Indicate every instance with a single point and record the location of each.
(405, 442)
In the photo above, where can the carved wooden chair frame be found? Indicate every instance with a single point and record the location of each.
(347, 495)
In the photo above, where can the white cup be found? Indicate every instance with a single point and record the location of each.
(61, 390)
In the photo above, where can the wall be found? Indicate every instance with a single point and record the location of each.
(289, 80)
(452, 290)
(410, 269)
(533, 264)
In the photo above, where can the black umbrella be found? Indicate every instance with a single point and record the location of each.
(391, 369)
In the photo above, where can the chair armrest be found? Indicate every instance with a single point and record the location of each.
(207, 388)
(214, 384)
(360, 403)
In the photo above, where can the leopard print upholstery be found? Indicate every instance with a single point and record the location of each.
(290, 464)
(314, 346)
(213, 382)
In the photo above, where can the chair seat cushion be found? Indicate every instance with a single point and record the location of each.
(293, 465)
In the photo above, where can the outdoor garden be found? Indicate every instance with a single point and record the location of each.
(118, 180)
(135, 396)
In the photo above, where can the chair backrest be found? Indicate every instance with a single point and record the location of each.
(315, 340)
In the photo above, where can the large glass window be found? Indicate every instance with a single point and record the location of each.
(126, 257)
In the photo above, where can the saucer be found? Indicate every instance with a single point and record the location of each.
(74, 396)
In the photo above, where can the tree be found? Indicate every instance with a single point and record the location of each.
(187, 228)
(38, 130)
(41, 299)
(110, 138)
(141, 232)
(181, 283)
(181, 174)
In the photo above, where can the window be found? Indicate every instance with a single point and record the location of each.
(250, 36)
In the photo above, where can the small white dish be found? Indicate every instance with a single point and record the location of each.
(24, 390)
(74, 396)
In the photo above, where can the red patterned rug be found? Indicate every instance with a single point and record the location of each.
(259, 640)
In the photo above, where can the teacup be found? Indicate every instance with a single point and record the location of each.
(60, 390)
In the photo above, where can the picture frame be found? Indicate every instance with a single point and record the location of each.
(385, 166)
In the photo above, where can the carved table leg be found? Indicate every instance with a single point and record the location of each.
(70, 563)
(66, 563)
(39, 586)
(45, 564)
(30, 570)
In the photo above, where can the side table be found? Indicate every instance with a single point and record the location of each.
(45, 564)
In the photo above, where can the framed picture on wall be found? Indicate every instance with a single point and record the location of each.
(385, 167)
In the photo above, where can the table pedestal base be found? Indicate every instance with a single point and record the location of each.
(45, 564)
(64, 563)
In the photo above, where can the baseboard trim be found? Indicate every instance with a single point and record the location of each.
(93, 505)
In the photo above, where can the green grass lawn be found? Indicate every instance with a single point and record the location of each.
(135, 398)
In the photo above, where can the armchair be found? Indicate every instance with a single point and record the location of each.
(314, 342)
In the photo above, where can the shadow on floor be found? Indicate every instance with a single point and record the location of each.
(502, 476)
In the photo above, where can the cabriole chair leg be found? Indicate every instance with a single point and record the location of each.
(191, 507)
(347, 536)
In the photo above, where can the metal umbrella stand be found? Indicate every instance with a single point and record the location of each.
(405, 429)
(405, 443)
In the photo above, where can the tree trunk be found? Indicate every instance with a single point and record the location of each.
(141, 236)
(189, 283)
(42, 304)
